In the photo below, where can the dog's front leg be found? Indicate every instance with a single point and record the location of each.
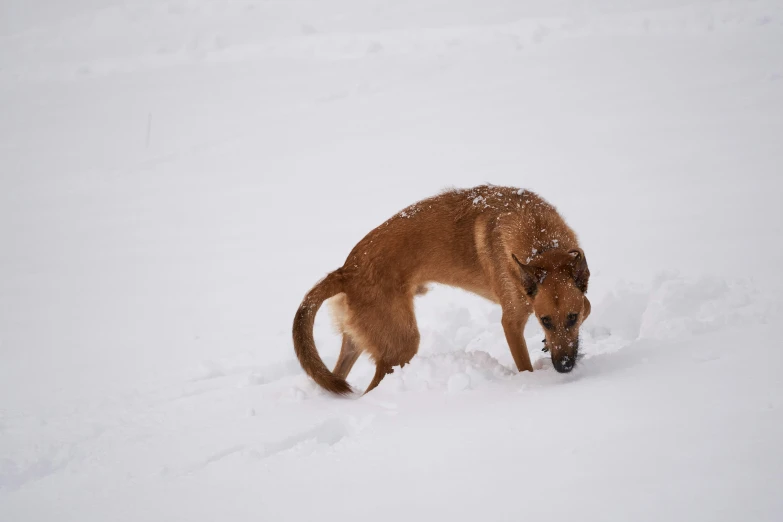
(503, 275)
(513, 321)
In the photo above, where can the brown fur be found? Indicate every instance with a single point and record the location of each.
(505, 244)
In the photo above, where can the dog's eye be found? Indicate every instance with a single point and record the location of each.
(571, 320)
(547, 322)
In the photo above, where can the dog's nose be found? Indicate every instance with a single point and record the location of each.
(564, 364)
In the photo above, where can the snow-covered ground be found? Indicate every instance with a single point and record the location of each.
(174, 176)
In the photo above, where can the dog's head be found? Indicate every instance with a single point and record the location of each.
(555, 283)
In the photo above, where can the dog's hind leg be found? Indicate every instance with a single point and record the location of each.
(381, 371)
(349, 353)
(391, 334)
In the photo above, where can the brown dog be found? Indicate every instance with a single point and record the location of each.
(505, 244)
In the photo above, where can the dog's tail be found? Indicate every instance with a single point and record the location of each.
(304, 345)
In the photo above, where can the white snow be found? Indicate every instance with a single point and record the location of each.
(175, 175)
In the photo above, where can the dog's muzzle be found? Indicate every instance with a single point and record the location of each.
(564, 364)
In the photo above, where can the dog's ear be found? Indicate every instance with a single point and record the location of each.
(531, 277)
(579, 269)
